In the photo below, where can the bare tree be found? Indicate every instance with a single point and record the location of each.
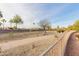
(44, 24)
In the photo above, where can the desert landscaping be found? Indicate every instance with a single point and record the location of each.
(33, 43)
(39, 29)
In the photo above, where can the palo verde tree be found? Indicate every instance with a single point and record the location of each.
(75, 26)
(16, 20)
(44, 24)
(3, 22)
(76, 23)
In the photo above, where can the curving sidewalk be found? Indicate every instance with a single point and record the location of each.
(72, 48)
(59, 48)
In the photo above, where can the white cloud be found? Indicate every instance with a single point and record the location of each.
(29, 12)
(24, 10)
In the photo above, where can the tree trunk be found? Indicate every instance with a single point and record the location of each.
(16, 25)
(45, 31)
(3, 26)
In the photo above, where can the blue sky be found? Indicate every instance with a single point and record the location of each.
(58, 14)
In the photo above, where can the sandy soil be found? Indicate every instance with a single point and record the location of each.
(18, 36)
(29, 46)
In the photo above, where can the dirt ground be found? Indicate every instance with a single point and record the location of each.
(18, 36)
(35, 43)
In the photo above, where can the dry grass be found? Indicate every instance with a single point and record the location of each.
(17, 36)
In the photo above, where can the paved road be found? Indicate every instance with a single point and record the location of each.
(72, 48)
